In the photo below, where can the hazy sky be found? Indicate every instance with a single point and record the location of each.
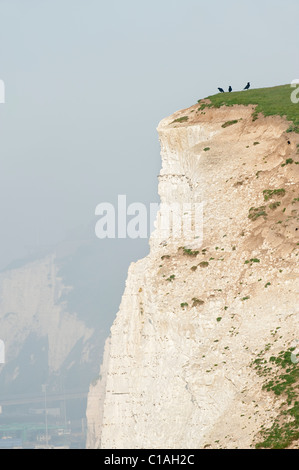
(87, 82)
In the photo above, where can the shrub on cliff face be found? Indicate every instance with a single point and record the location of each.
(281, 374)
(274, 205)
(229, 123)
(189, 252)
(181, 119)
(293, 129)
(288, 161)
(256, 212)
(197, 302)
(204, 264)
(268, 193)
(252, 260)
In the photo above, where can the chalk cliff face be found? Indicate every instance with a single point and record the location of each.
(207, 302)
(53, 321)
(38, 331)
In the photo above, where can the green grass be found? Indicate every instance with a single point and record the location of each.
(293, 129)
(229, 123)
(270, 102)
(288, 161)
(281, 379)
(181, 119)
(274, 205)
(204, 264)
(252, 260)
(268, 193)
(197, 302)
(256, 212)
(189, 252)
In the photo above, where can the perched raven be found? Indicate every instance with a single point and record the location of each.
(221, 90)
(247, 86)
(230, 89)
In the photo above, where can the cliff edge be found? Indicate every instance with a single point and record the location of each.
(202, 353)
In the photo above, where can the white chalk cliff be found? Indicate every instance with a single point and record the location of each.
(202, 306)
(29, 305)
(42, 336)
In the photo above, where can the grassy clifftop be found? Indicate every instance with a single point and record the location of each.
(268, 101)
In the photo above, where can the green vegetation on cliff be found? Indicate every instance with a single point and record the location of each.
(268, 101)
(281, 375)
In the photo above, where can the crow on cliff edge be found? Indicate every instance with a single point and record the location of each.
(221, 90)
(230, 89)
(247, 86)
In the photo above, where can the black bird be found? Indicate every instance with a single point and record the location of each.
(221, 90)
(247, 86)
(230, 89)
